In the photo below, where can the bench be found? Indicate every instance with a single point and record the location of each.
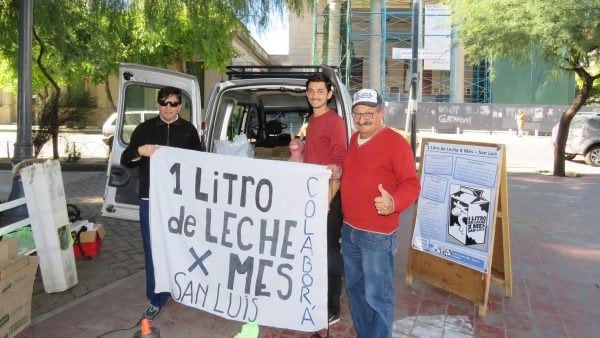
(19, 223)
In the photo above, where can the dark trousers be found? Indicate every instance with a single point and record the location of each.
(335, 263)
(156, 299)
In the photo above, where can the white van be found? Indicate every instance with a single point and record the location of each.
(267, 104)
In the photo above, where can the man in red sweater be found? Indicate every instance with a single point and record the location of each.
(326, 145)
(379, 182)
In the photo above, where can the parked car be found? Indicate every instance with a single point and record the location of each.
(132, 119)
(583, 138)
(266, 104)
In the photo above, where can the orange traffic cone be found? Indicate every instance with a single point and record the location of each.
(146, 331)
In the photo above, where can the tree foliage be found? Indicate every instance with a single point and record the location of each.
(563, 33)
(78, 39)
(97, 34)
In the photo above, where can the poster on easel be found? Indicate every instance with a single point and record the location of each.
(455, 215)
(460, 238)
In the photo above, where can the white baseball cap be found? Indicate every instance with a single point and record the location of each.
(368, 97)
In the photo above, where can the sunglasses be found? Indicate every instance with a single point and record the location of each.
(168, 103)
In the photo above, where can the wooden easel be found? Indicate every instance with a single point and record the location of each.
(458, 279)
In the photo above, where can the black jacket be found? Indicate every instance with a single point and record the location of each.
(179, 134)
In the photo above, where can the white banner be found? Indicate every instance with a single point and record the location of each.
(436, 40)
(437, 36)
(241, 238)
(424, 54)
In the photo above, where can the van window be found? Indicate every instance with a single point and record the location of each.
(133, 119)
(222, 120)
(236, 122)
(140, 106)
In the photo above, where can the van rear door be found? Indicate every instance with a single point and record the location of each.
(138, 87)
(344, 100)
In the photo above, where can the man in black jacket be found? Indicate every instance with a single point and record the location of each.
(167, 129)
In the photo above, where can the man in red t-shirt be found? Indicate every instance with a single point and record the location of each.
(379, 182)
(326, 145)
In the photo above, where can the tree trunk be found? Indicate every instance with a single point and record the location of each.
(56, 98)
(179, 62)
(109, 95)
(54, 123)
(567, 116)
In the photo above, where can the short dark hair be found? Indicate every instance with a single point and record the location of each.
(320, 77)
(165, 92)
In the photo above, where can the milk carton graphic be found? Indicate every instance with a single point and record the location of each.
(468, 214)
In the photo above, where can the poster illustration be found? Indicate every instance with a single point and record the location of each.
(241, 238)
(455, 211)
(468, 215)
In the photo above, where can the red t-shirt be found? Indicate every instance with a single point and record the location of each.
(325, 140)
(385, 159)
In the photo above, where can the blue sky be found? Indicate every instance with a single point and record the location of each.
(276, 39)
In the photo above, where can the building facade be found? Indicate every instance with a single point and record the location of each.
(371, 40)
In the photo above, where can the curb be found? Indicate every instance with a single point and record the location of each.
(98, 164)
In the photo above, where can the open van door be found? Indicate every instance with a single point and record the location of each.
(344, 100)
(138, 87)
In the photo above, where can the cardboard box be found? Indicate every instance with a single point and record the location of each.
(17, 274)
(8, 249)
(91, 241)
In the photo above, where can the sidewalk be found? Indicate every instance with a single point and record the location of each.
(555, 259)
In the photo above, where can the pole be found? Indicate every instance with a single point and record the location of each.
(23, 145)
(414, 75)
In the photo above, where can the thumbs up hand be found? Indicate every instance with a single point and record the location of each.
(384, 204)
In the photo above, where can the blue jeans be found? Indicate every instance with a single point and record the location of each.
(156, 299)
(369, 270)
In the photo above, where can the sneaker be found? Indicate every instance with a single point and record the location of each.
(334, 319)
(151, 312)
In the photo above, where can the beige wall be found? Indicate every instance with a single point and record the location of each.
(8, 103)
(250, 51)
(301, 39)
(102, 101)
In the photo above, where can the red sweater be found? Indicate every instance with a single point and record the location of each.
(386, 158)
(325, 140)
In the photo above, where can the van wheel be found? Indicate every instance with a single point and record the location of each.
(592, 156)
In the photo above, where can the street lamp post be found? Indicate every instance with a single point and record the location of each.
(414, 76)
(23, 146)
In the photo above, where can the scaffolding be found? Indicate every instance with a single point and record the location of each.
(365, 38)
